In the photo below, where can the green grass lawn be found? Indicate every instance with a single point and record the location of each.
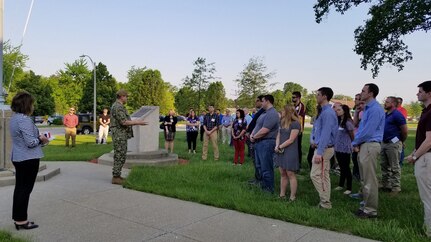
(7, 237)
(220, 184)
(86, 149)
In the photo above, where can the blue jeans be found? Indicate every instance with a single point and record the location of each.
(264, 163)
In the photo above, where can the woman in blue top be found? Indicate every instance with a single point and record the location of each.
(26, 153)
(343, 146)
(192, 127)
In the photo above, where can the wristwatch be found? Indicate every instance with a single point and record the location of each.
(414, 157)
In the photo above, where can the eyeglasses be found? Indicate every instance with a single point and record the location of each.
(72, 110)
(294, 97)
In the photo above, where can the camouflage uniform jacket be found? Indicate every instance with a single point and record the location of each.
(118, 115)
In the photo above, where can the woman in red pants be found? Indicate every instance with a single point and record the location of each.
(238, 134)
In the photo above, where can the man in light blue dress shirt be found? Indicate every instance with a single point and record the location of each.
(367, 143)
(323, 133)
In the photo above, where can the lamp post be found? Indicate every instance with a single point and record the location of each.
(94, 93)
(2, 97)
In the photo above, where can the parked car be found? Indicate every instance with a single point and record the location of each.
(85, 123)
(55, 119)
(179, 118)
(38, 119)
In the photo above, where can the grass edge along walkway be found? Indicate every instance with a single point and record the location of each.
(6, 236)
(223, 185)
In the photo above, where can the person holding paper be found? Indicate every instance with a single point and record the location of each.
(26, 153)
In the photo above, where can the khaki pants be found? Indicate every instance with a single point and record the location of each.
(103, 133)
(226, 134)
(368, 155)
(423, 179)
(390, 165)
(70, 132)
(213, 139)
(320, 177)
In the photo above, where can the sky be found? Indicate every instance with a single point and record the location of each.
(169, 35)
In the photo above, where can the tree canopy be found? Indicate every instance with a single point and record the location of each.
(12, 56)
(380, 41)
(106, 88)
(147, 88)
(201, 76)
(41, 91)
(253, 81)
(216, 95)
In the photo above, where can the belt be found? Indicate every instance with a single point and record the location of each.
(262, 139)
(329, 146)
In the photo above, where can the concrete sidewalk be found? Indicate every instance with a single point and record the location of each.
(80, 204)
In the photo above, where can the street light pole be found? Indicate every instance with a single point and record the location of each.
(2, 94)
(94, 93)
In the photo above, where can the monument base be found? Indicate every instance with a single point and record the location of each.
(7, 176)
(150, 158)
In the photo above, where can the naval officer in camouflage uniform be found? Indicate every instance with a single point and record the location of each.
(121, 128)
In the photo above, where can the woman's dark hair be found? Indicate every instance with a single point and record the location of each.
(189, 115)
(346, 116)
(23, 102)
(241, 113)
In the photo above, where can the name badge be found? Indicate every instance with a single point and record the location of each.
(395, 139)
(212, 120)
(340, 128)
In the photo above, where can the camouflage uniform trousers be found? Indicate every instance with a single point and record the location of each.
(120, 151)
(390, 165)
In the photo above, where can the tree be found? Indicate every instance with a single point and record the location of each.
(12, 56)
(106, 87)
(216, 95)
(201, 76)
(379, 41)
(290, 87)
(253, 81)
(185, 99)
(414, 109)
(71, 83)
(168, 99)
(39, 88)
(146, 88)
(342, 97)
(280, 99)
(310, 103)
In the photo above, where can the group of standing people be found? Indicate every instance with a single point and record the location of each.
(272, 138)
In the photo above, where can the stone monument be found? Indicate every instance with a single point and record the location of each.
(7, 170)
(143, 148)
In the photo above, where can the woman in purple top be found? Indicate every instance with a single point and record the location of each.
(343, 146)
(238, 135)
(192, 127)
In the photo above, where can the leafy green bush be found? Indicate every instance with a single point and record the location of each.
(57, 121)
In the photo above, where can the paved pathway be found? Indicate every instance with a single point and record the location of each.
(80, 204)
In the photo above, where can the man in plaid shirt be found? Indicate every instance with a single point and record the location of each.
(211, 123)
